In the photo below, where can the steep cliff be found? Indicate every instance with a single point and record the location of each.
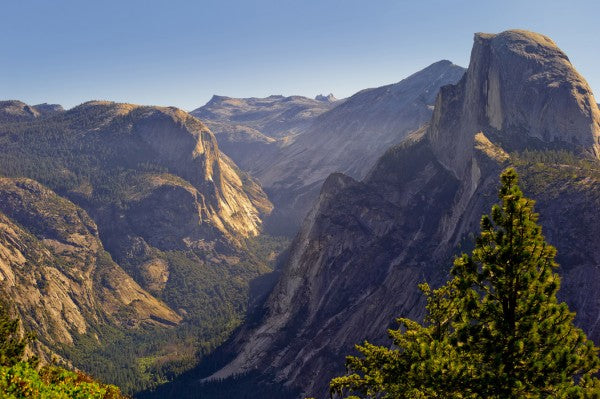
(100, 140)
(522, 92)
(366, 245)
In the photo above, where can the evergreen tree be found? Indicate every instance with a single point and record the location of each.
(23, 378)
(12, 342)
(495, 330)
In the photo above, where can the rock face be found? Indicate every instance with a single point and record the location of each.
(186, 147)
(349, 139)
(152, 142)
(365, 245)
(17, 111)
(149, 186)
(48, 109)
(522, 91)
(57, 273)
(330, 98)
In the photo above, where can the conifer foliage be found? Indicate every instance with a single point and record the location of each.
(12, 342)
(21, 376)
(495, 330)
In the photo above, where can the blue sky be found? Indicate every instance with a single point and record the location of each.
(182, 52)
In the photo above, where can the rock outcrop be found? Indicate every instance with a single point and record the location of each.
(330, 98)
(365, 245)
(18, 111)
(49, 109)
(522, 91)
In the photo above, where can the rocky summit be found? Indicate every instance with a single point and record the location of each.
(18, 111)
(365, 245)
(330, 98)
(522, 91)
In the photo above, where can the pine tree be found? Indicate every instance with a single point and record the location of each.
(495, 330)
(12, 342)
(21, 377)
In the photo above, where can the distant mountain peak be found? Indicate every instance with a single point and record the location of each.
(216, 99)
(46, 108)
(330, 98)
(14, 111)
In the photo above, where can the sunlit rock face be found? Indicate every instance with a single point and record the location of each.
(119, 217)
(522, 91)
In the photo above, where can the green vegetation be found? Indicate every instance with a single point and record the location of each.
(66, 153)
(548, 171)
(22, 380)
(247, 386)
(20, 377)
(12, 343)
(495, 330)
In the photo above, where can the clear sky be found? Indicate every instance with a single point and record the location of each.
(182, 52)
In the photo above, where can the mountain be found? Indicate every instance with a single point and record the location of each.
(142, 237)
(291, 144)
(349, 139)
(48, 109)
(330, 98)
(365, 245)
(252, 129)
(17, 111)
(274, 116)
